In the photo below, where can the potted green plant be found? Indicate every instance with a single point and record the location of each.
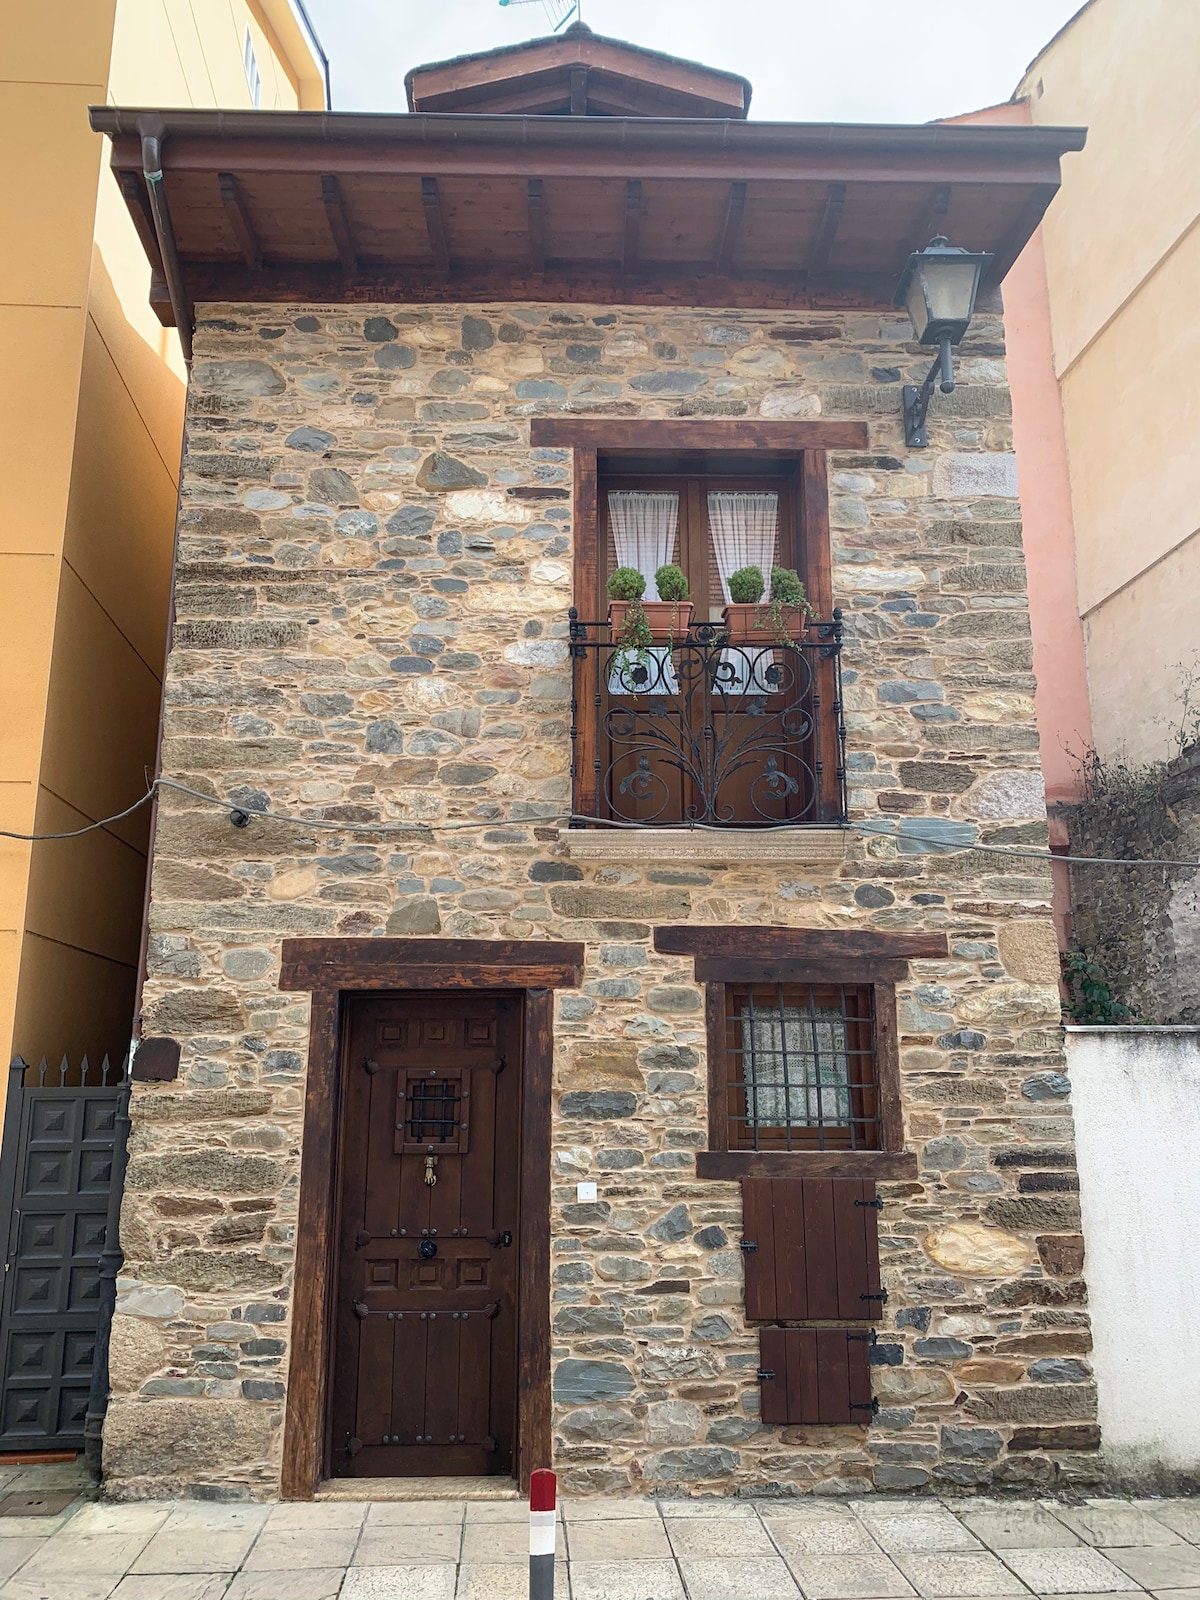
(670, 616)
(628, 627)
(788, 611)
(746, 588)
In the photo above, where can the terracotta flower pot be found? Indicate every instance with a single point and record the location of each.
(752, 624)
(668, 619)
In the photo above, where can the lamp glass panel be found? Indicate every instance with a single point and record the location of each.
(949, 293)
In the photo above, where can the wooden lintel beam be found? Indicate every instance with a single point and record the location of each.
(633, 224)
(579, 90)
(239, 219)
(735, 210)
(435, 224)
(698, 433)
(537, 226)
(831, 221)
(797, 944)
(339, 223)
(133, 190)
(929, 222)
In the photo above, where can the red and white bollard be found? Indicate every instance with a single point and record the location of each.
(542, 1493)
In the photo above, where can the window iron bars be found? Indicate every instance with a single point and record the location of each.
(802, 1067)
(698, 730)
(432, 1111)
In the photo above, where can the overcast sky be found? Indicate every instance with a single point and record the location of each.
(809, 60)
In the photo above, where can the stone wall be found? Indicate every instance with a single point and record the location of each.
(374, 574)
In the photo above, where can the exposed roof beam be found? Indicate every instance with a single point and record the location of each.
(133, 189)
(831, 221)
(537, 227)
(1017, 237)
(239, 219)
(633, 224)
(339, 223)
(735, 210)
(435, 224)
(579, 91)
(930, 221)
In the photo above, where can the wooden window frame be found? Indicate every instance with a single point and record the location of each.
(331, 970)
(730, 955)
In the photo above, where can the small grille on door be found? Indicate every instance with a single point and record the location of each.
(432, 1110)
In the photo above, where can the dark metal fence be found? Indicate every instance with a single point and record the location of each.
(62, 1168)
(699, 730)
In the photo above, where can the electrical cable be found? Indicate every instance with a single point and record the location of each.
(242, 816)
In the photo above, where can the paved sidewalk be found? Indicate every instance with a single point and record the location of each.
(874, 1549)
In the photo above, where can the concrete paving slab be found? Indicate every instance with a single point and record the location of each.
(825, 1536)
(738, 1510)
(89, 1553)
(1181, 1516)
(953, 1574)
(1078, 1571)
(918, 1529)
(61, 1586)
(624, 1539)
(158, 1586)
(1174, 1566)
(183, 1547)
(739, 1580)
(294, 1549)
(857, 1577)
(1018, 1527)
(501, 1580)
(108, 1516)
(405, 1543)
(496, 1542)
(730, 1539)
(309, 1515)
(315, 1583)
(14, 1553)
(609, 1510)
(620, 1580)
(415, 1513)
(1114, 1524)
(408, 1582)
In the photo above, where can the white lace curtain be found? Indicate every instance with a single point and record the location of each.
(796, 1067)
(743, 528)
(644, 526)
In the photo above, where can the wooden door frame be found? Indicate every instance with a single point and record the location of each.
(333, 970)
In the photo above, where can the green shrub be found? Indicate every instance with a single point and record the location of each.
(746, 586)
(626, 583)
(672, 583)
(787, 588)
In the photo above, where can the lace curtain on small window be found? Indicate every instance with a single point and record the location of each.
(644, 527)
(795, 1067)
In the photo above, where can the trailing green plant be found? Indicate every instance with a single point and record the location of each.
(1090, 998)
(746, 586)
(671, 582)
(787, 595)
(626, 583)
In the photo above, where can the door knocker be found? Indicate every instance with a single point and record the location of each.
(430, 1172)
(427, 1249)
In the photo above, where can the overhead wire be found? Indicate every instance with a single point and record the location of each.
(242, 814)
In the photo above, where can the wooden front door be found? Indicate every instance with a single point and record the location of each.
(424, 1376)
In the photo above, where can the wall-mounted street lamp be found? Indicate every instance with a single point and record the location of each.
(938, 291)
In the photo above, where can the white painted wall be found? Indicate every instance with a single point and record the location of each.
(1136, 1094)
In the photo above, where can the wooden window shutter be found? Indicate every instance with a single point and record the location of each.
(811, 1248)
(816, 1375)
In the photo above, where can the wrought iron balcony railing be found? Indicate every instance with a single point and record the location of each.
(701, 731)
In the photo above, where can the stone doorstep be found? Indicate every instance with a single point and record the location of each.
(817, 846)
(418, 1489)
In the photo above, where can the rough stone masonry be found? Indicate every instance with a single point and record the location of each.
(373, 581)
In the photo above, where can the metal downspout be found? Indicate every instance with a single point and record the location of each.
(152, 131)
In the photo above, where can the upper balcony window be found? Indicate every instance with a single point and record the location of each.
(253, 76)
(689, 712)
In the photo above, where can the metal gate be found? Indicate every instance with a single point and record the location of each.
(57, 1192)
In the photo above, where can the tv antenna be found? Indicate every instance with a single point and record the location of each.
(558, 12)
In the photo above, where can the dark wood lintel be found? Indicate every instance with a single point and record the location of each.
(797, 944)
(362, 964)
(693, 433)
(880, 1165)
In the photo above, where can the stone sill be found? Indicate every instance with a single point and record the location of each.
(1131, 1027)
(719, 847)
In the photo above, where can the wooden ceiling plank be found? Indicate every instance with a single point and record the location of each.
(537, 227)
(435, 224)
(238, 216)
(633, 224)
(831, 221)
(735, 210)
(930, 220)
(339, 223)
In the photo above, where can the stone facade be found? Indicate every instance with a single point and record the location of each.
(374, 574)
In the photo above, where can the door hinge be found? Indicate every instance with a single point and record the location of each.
(764, 1375)
(871, 1205)
(748, 1245)
(871, 1405)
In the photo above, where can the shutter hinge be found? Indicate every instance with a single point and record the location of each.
(881, 1297)
(871, 1405)
(871, 1338)
(871, 1205)
(748, 1245)
(764, 1375)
